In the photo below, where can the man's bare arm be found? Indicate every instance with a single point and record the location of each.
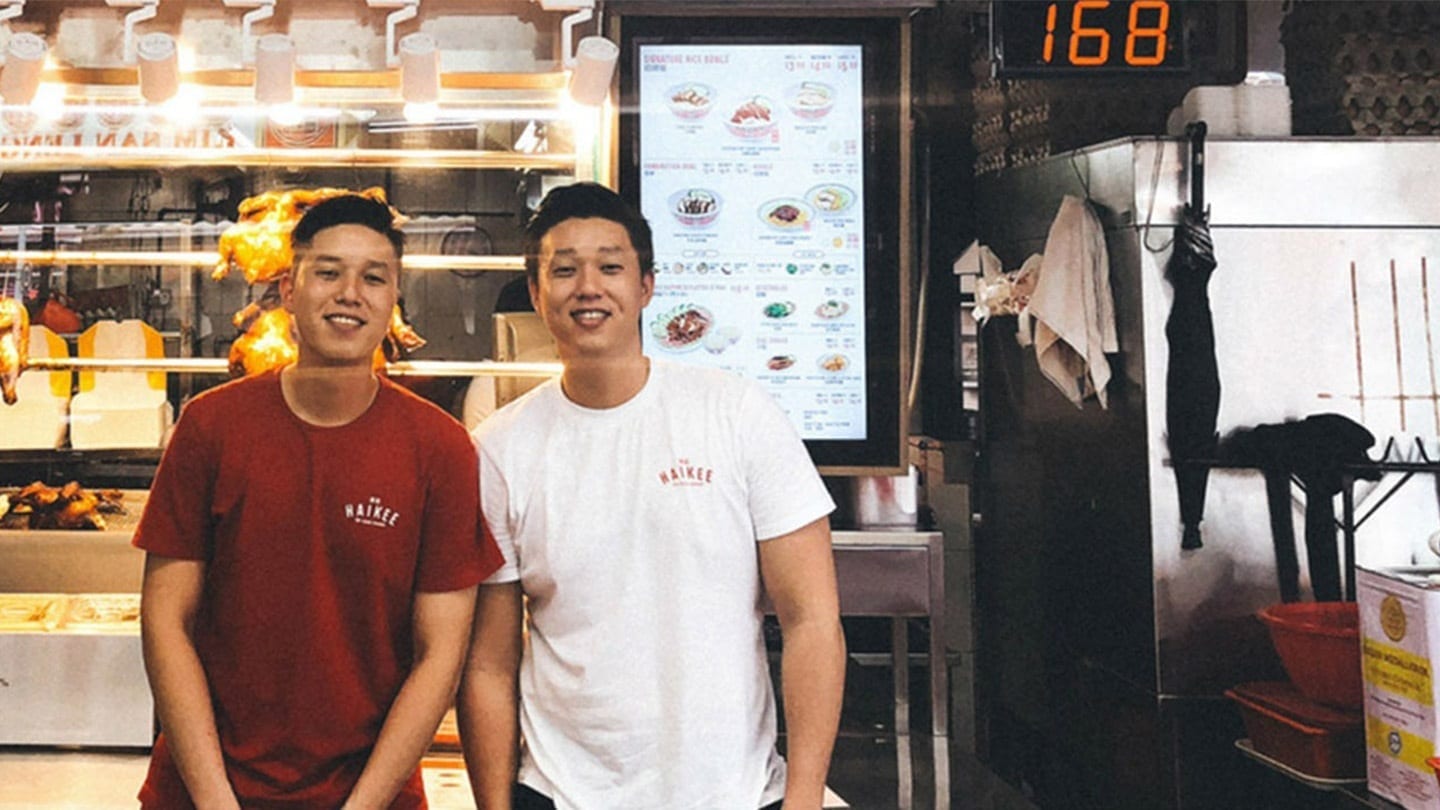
(798, 570)
(170, 598)
(441, 629)
(489, 699)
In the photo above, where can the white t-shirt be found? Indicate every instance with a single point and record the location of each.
(632, 531)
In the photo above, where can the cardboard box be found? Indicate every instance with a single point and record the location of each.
(1399, 645)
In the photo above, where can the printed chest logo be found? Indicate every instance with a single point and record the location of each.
(684, 473)
(372, 512)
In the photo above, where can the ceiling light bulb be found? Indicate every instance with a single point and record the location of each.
(421, 113)
(419, 69)
(274, 69)
(595, 59)
(24, 61)
(185, 109)
(159, 63)
(286, 115)
(49, 101)
(186, 57)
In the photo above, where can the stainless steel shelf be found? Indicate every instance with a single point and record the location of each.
(72, 158)
(434, 262)
(219, 365)
(201, 258)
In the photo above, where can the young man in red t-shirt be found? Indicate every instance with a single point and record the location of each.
(313, 542)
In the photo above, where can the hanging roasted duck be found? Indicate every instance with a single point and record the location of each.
(14, 345)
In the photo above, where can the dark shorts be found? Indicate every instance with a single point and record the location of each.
(527, 799)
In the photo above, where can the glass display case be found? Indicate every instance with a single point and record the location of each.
(112, 215)
(115, 195)
(111, 220)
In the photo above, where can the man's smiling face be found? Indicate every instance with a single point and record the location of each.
(590, 290)
(341, 292)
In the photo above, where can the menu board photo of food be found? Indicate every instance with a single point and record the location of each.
(751, 174)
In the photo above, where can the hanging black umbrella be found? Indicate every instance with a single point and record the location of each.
(1192, 381)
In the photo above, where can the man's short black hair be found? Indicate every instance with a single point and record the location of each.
(585, 201)
(348, 209)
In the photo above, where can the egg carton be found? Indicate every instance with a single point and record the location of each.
(1321, 19)
(1390, 53)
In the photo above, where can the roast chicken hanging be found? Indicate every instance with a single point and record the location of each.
(14, 345)
(259, 246)
(269, 340)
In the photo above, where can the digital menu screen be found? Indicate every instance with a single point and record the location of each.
(751, 174)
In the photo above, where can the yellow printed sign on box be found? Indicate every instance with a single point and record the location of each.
(1394, 670)
(1400, 644)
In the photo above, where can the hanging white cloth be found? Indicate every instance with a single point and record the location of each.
(1072, 306)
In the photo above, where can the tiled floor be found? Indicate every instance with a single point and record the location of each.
(863, 777)
(75, 780)
(863, 768)
(32, 779)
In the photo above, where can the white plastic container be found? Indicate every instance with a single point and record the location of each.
(37, 419)
(886, 502)
(120, 409)
(1260, 110)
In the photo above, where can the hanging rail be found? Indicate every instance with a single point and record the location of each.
(201, 258)
(41, 158)
(219, 365)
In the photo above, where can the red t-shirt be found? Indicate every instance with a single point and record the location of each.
(316, 540)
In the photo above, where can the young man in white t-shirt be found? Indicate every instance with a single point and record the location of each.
(643, 508)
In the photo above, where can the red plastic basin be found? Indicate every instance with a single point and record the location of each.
(1319, 645)
(1319, 741)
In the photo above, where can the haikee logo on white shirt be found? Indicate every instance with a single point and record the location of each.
(372, 512)
(685, 474)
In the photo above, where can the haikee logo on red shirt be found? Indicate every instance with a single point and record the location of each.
(685, 474)
(372, 513)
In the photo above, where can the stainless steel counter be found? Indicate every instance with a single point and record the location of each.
(901, 574)
(72, 671)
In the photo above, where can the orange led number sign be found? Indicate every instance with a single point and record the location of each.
(1146, 32)
(1083, 36)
